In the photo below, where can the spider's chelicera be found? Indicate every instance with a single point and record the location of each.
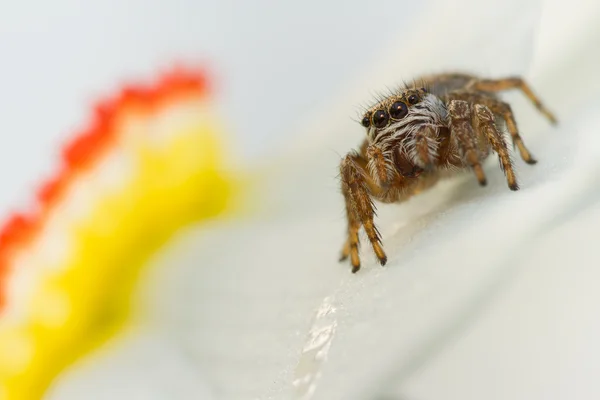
(418, 134)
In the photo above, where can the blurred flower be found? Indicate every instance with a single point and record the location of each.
(151, 161)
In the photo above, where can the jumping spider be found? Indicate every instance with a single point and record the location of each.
(424, 132)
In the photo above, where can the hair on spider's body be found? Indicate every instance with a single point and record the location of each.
(419, 133)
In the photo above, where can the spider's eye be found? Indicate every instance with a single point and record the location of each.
(424, 90)
(366, 121)
(380, 118)
(398, 110)
(413, 99)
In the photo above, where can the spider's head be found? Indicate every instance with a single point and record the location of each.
(394, 122)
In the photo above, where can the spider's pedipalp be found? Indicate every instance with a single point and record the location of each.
(423, 147)
(379, 167)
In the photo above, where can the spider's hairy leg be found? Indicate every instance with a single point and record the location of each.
(460, 126)
(359, 209)
(505, 111)
(352, 242)
(486, 124)
(497, 85)
(351, 245)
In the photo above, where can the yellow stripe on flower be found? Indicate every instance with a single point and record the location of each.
(67, 285)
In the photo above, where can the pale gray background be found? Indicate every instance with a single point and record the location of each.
(274, 62)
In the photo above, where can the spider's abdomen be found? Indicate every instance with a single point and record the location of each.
(442, 84)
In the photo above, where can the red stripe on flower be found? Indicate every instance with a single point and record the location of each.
(86, 148)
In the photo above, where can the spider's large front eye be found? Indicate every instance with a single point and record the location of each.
(380, 118)
(398, 110)
(366, 121)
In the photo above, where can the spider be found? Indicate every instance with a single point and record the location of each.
(424, 132)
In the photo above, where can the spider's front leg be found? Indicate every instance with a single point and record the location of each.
(360, 209)
(464, 136)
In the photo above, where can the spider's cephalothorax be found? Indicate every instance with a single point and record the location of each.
(444, 123)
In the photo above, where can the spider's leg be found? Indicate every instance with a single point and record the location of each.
(462, 131)
(352, 241)
(486, 124)
(347, 246)
(351, 245)
(497, 85)
(359, 209)
(504, 110)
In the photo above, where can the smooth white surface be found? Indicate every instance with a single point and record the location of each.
(488, 294)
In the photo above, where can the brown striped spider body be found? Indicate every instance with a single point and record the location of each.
(420, 133)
